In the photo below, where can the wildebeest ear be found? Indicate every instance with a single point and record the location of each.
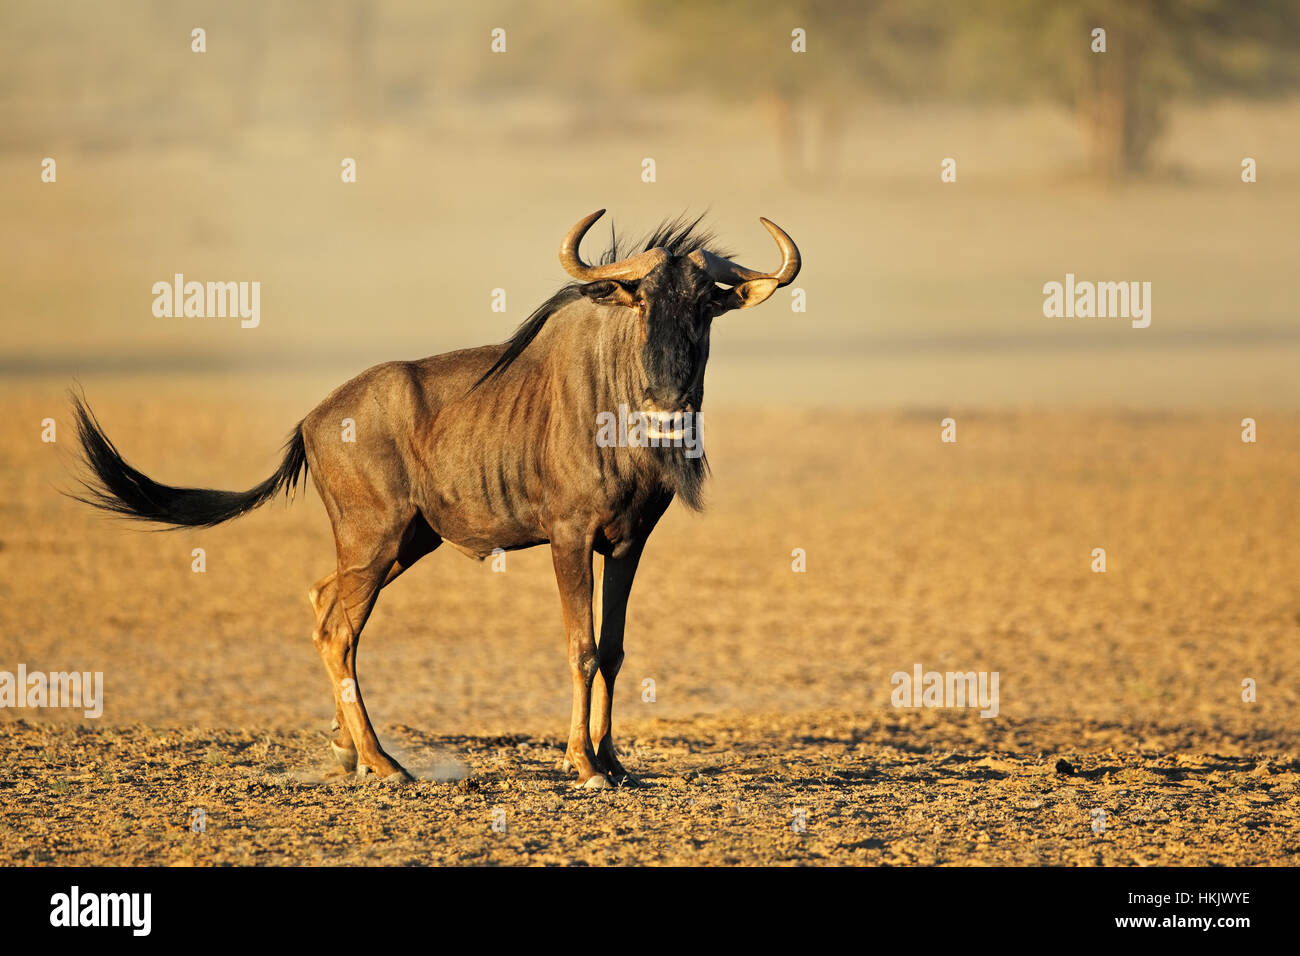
(607, 292)
(746, 295)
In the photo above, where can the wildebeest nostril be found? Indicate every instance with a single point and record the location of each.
(670, 402)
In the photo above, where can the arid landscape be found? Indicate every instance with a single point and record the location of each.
(771, 738)
(395, 187)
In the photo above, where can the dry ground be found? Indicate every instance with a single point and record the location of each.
(772, 689)
(724, 790)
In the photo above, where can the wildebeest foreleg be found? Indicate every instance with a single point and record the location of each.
(571, 554)
(616, 586)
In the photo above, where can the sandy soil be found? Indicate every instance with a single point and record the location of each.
(772, 688)
(822, 788)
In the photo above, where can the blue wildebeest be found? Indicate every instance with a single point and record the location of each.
(495, 448)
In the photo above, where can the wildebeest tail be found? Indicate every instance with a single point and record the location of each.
(115, 486)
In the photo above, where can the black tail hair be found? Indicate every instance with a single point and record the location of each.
(115, 486)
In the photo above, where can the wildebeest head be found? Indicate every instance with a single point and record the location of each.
(676, 299)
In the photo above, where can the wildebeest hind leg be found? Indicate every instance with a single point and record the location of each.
(336, 638)
(370, 556)
(323, 595)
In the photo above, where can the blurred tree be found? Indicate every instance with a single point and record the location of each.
(1007, 50)
(304, 61)
(743, 50)
(1157, 51)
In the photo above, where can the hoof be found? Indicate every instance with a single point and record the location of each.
(393, 775)
(347, 758)
(597, 781)
(614, 770)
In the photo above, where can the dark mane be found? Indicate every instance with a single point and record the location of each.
(680, 236)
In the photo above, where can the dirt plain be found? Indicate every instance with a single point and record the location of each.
(771, 737)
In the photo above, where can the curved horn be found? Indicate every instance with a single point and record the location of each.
(729, 273)
(634, 268)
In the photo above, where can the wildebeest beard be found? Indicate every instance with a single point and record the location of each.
(679, 471)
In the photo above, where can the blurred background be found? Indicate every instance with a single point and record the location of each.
(924, 300)
(471, 165)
